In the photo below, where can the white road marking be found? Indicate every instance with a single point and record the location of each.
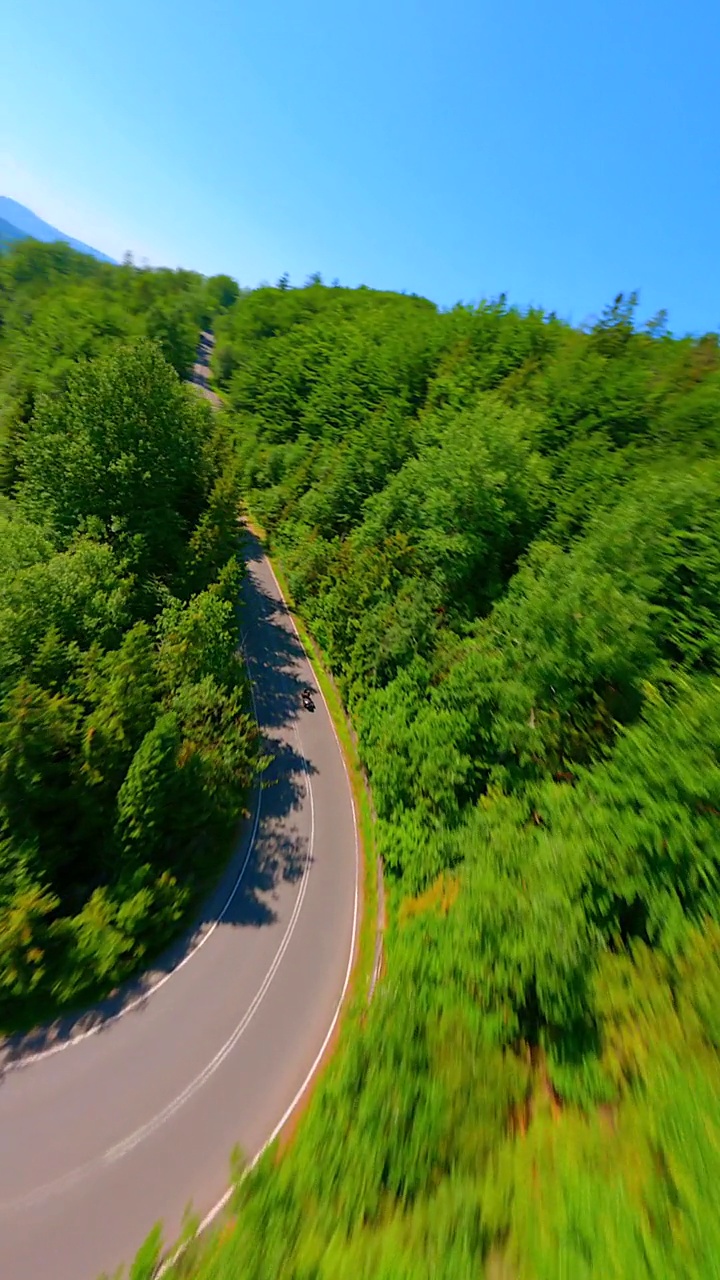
(134, 1139)
(26, 1060)
(227, 1195)
(127, 1144)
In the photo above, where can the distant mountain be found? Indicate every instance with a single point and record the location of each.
(17, 222)
(8, 233)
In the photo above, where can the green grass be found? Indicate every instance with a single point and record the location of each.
(358, 782)
(356, 999)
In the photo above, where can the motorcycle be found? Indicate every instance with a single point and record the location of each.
(307, 699)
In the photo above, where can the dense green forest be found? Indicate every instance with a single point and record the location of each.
(126, 743)
(505, 534)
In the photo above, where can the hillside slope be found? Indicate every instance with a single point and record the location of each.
(505, 533)
(117, 544)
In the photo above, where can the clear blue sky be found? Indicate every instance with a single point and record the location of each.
(559, 151)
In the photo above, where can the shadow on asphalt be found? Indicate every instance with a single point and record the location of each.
(275, 657)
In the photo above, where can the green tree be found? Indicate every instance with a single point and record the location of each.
(120, 453)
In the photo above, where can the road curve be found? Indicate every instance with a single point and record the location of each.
(103, 1134)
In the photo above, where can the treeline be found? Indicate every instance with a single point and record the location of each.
(505, 532)
(58, 307)
(126, 742)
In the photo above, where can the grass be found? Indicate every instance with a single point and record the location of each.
(356, 1000)
(361, 795)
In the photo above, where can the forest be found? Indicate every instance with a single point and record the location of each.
(504, 532)
(127, 746)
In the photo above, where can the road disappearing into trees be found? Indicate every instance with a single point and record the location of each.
(122, 1117)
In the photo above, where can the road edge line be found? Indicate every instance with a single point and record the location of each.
(368, 872)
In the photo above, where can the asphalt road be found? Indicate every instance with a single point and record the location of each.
(200, 374)
(122, 1117)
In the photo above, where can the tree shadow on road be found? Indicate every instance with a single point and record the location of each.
(248, 892)
(279, 672)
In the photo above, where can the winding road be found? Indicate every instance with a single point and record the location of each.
(125, 1115)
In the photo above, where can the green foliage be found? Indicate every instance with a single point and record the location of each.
(118, 455)
(505, 533)
(126, 741)
(59, 308)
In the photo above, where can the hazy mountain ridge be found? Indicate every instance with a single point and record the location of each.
(18, 222)
(8, 233)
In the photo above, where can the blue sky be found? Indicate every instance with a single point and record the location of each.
(558, 151)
